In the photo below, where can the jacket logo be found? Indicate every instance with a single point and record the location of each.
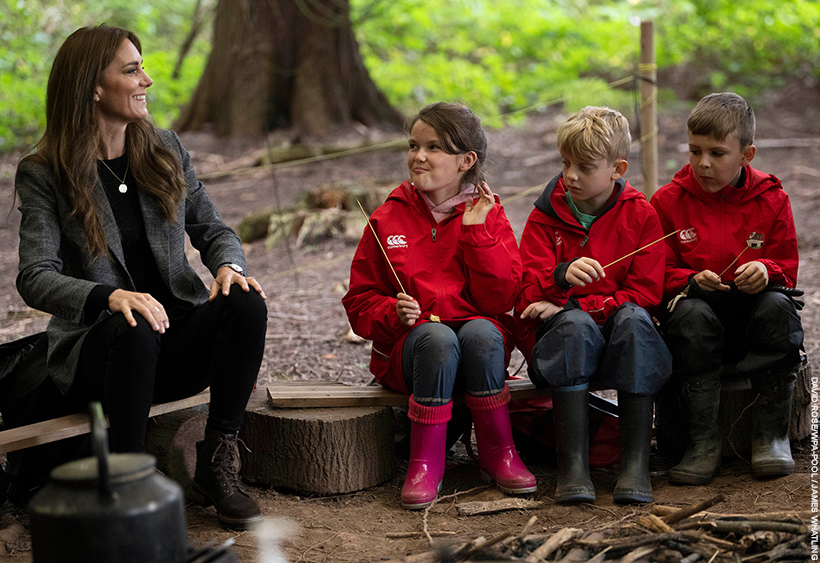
(396, 241)
(688, 236)
(755, 241)
(558, 239)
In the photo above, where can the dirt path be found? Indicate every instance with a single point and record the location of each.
(306, 329)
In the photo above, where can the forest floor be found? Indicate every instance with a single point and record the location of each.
(307, 327)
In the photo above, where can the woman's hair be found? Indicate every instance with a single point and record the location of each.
(71, 140)
(460, 132)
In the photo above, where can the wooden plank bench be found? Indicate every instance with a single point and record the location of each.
(77, 424)
(297, 395)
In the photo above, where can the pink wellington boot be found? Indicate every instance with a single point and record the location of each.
(428, 444)
(497, 455)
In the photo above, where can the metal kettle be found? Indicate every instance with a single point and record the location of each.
(108, 509)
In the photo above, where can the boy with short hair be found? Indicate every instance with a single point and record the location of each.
(580, 320)
(728, 272)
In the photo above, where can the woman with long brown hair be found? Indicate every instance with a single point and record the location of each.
(106, 202)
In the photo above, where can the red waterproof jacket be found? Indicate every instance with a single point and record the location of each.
(553, 236)
(715, 229)
(455, 272)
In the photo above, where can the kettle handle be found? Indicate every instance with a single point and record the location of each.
(100, 445)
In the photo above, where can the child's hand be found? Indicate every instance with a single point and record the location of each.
(752, 277)
(583, 271)
(707, 280)
(541, 310)
(407, 309)
(476, 214)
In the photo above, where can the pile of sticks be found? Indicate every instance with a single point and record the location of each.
(666, 535)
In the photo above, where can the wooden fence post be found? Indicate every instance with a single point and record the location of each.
(647, 70)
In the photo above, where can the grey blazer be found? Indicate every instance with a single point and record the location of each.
(56, 273)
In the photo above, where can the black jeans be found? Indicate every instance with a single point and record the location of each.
(218, 344)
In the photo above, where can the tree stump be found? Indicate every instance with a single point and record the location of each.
(172, 440)
(317, 450)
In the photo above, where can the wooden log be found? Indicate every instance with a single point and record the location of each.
(325, 451)
(172, 440)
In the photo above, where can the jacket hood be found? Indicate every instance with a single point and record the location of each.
(756, 183)
(553, 200)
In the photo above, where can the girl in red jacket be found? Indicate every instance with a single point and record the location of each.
(436, 311)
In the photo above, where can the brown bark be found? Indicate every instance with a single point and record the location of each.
(284, 63)
(317, 450)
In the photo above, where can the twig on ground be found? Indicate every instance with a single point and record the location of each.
(436, 501)
(555, 541)
(692, 509)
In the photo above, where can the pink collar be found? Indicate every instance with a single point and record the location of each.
(446, 208)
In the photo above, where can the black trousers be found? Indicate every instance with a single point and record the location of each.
(218, 344)
(760, 333)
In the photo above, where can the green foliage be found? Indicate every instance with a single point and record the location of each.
(32, 32)
(748, 44)
(499, 57)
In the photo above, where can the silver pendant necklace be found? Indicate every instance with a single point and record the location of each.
(123, 188)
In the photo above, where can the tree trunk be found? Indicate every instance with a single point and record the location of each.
(317, 450)
(284, 63)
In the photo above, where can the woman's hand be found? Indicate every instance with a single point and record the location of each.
(709, 281)
(752, 277)
(540, 310)
(126, 302)
(226, 276)
(583, 271)
(476, 213)
(407, 309)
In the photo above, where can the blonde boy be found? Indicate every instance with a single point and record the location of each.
(583, 321)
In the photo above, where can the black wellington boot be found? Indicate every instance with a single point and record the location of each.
(771, 413)
(700, 402)
(635, 423)
(217, 479)
(571, 420)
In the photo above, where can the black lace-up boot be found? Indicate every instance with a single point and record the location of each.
(217, 479)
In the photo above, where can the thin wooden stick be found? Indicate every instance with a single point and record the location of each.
(641, 248)
(733, 261)
(375, 234)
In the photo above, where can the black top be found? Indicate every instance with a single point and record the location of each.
(139, 260)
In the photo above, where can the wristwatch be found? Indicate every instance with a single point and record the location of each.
(235, 267)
